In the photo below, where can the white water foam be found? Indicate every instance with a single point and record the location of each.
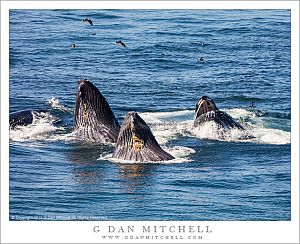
(213, 131)
(271, 136)
(179, 152)
(257, 128)
(167, 126)
(239, 113)
(160, 117)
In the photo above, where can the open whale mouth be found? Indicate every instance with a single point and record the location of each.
(205, 105)
(86, 102)
(93, 118)
(137, 143)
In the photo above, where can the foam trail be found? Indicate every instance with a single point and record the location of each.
(167, 131)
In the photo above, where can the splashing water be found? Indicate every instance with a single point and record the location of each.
(211, 130)
(170, 125)
(55, 103)
(40, 129)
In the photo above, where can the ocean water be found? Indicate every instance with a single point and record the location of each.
(246, 58)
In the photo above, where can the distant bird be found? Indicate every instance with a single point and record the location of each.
(88, 20)
(73, 45)
(120, 43)
(200, 59)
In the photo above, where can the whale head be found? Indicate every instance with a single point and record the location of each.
(207, 111)
(137, 143)
(204, 105)
(93, 118)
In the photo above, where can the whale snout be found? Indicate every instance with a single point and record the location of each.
(132, 114)
(133, 123)
(81, 92)
(82, 81)
(84, 89)
(132, 120)
(82, 84)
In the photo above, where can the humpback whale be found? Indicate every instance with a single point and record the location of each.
(23, 118)
(137, 143)
(93, 118)
(206, 110)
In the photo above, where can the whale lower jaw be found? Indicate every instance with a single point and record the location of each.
(145, 155)
(100, 134)
(224, 124)
(220, 118)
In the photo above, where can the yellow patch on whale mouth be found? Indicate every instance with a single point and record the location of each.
(132, 128)
(85, 112)
(137, 143)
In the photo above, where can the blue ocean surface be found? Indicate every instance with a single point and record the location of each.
(246, 60)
